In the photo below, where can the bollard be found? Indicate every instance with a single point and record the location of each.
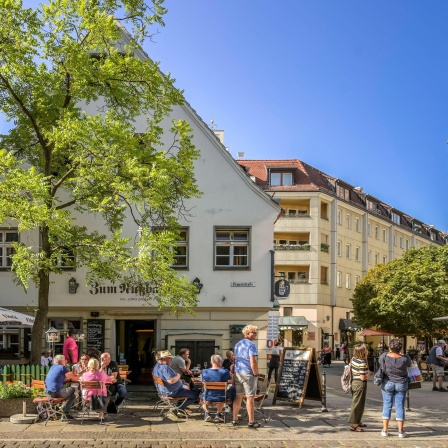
(324, 392)
(24, 408)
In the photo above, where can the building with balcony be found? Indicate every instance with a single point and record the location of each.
(329, 233)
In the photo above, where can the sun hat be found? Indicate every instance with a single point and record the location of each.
(164, 354)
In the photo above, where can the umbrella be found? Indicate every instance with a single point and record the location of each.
(369, 332)
(9, 318)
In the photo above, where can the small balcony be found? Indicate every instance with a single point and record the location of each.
(292, 246)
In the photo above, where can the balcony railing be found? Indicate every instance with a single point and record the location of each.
(292, 247)
(297, 215)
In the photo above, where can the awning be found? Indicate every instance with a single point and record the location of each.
(325, 330)
(292, 323)
(348, 325)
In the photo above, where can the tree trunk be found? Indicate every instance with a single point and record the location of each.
(42, 311)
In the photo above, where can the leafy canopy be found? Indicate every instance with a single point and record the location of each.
(403, 296)
(74, 84)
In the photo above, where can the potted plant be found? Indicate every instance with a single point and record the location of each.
(12, 396)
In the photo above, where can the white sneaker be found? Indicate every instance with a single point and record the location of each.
(402, 435)
(384, 433)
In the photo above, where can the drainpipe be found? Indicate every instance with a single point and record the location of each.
(272, 276)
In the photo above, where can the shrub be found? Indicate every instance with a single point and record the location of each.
(17, 389)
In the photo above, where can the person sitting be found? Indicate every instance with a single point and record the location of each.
(46, 359)
(117, 389)
(172, 381)
(81, 366)
(94, 374)
(216, 374)
(54, 384)
(229, 362)
(181, 365)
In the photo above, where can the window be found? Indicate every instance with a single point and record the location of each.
(339, 279)
(384, 259)
(339, 248)
(369, 228)
(395, 239)
(181, 251)
(303, 212)
(282, 242)
(401, 242)
(407, 244)
(385, 235)
(357, 279)
(340, 217)
(343, 193)
(348, 281)
(7, 237)
(281, 274)
(291, 277)
(377, 258)
(357, 225)
(63, 325)
(348, 221)
(302, 277)
(287, 310)
(377, 232)
(232, 248)
(348, 251)
(292, 212)
(9, 339)
(324, 210)
(324, 275)
(67, 259)
(395, 218)
(357, 253)
(278, 179)
(369, 257)
(292, 242)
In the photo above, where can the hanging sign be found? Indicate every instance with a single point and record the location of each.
(282, 289)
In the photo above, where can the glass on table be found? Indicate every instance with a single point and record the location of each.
(205, 364)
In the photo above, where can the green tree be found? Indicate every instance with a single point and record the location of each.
(403, 296)
(58, 162)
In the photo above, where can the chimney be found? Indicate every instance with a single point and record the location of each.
(220, 135)
(240, 155)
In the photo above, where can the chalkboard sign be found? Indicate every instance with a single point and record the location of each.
(95, 334)
(299, 376)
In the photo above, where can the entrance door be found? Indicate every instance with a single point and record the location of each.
(135, 340)
(200, 350)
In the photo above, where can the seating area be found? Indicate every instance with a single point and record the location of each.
(48, 408)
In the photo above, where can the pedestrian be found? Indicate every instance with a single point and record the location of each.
(395, 385)
(70, 347)
(345, 353)
(274, 362)
(246, 375)
(437, 361)
(360, 372)
(327, 355)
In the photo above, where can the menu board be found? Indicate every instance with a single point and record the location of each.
(95, 334)
(299, 376)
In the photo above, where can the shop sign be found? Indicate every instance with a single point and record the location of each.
(242, 284)
(272, 332)
(282, 289)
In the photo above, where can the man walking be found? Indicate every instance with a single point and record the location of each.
(246, 375)
(70, 348)
(437, 360)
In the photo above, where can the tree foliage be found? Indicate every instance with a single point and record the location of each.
(58, 162)
(404, 295)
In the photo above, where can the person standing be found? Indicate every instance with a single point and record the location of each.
(274, 362)
(327, 355)
(246, 375)
(54, 384)
(437, 361)
(360, 371)
(70, 348)
(395, 385)
(345, 353)
(172, 381)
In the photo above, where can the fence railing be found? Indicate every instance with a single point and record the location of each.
(24, 373)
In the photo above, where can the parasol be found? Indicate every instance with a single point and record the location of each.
(369, 332)
(9, 318)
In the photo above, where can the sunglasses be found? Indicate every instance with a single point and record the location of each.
(254, 332)
(83, 359)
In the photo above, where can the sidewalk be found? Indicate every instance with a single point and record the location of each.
(138, 425)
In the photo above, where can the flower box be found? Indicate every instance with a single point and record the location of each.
(13, 406)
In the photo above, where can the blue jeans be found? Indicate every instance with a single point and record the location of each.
(192, 395)
(393, 392)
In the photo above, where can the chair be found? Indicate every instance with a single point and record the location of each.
(217, 385)
(167, 404)
(86, 403)
(426, 370)
(261, 395)
(48, 407)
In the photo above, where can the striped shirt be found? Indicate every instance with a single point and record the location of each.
(359, 367)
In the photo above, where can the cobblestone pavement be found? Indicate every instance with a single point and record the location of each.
(138, 425)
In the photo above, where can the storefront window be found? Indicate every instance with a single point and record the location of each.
(63, 325)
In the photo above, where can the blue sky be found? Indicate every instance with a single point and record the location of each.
(356, 89)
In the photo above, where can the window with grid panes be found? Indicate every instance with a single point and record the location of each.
(232, 248)
(181, 251)
(7, 238)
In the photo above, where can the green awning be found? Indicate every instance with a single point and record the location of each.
(348, 325)
(292, 323)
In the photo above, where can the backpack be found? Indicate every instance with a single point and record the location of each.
(346, 379)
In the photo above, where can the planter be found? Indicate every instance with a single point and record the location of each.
(15, 406)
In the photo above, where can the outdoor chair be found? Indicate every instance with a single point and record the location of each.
(93, 403)
(48, 408)
(260, 397)
(426, 370)
(167, 404)
(217, 385)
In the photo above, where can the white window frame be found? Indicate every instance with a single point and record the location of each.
(384, 259)
(395, 239)
(348, 221)
(339, 217)
(6, 249)
(339, 279)
(357, 253)
(357, 226)
(282, 180)
(408, 244)
(357, 279)
(369, 228)
(401, 242)
(377, 258)
(183, 244)
(339, 249)
(232, 243)
(348, 281)
(348, 251)
(369, 257)
(6, 337)
(377, 232)
(385, 235)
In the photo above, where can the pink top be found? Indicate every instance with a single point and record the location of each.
(70, 344)
(95, 376)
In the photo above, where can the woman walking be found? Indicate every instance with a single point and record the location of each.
(360, 372)
(395, 384)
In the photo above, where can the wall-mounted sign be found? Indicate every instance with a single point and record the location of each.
(244, 284)
(282, 289)
(235, 334)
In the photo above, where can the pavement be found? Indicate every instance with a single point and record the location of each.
(139, 425)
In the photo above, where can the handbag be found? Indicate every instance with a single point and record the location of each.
(415, 377)
(379, 374)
